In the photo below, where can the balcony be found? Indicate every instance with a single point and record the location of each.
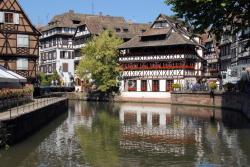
(132, 89)
(130, 68)
(213, 70)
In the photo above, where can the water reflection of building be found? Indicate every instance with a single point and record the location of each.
(84, 113)
(154, 128)
(179, 133)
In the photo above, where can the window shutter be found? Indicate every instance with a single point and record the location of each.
(1, 17)
(16, 18)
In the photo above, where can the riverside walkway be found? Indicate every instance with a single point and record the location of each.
(29, 107)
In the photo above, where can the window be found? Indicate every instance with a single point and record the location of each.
(49, 56)
(65, 41)
(22, 41)
(44, 69)
(161, 25)
(65, 67)
(54, 42)
(66, 30)
(54, 67)
(144, 85)
(54, 55)
(46, 56)
(62, 54)
(210, 47)
(117, 29)
(22, 64)
(69, 55)
(76, 21)
(8, 18)
(50, 68)
(169, 85)
(155, 87)
(132, 85)
(125, 30)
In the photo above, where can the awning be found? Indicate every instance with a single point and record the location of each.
(10, 76)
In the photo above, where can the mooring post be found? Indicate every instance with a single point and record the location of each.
(17, 105)
(10, 112)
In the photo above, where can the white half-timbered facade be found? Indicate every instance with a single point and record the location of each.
(93, 26)
(154, 61)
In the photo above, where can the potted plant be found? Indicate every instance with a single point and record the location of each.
(176, 86)
(213, 86)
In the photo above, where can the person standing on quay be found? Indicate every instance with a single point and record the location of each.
(244, 79)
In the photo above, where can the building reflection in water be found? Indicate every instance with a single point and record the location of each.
(180, 133)
(154, 129)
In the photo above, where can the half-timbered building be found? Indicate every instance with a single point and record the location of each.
(211, 54)
(234, 54)
(94, 25)
(19, 40)
(163, 55)
(65, 35)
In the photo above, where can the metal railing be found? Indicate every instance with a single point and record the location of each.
(35, 104)
(198, 88)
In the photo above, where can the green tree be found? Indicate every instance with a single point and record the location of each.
(213, 15)
(99, 61)
(43, 79)
(55, 76)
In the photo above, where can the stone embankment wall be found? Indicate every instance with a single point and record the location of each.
(23, 125)
(73, 95)
(234, 101)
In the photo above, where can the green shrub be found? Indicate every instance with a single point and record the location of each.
(176, 86)
(213, 85)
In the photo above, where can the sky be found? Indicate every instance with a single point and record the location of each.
(141, 11)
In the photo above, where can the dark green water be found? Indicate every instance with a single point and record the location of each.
(136, 135)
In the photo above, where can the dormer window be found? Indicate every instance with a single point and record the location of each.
(161, 25)
(117, 29)
(76, 21)
(154, 37)
(125, 30)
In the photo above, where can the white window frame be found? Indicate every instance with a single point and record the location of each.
(22, 64)
(22, 41)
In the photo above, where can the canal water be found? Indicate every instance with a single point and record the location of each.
(136, 135)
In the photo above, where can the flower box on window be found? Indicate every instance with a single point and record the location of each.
(131, 89)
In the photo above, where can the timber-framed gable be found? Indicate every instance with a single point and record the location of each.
(19, 40)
